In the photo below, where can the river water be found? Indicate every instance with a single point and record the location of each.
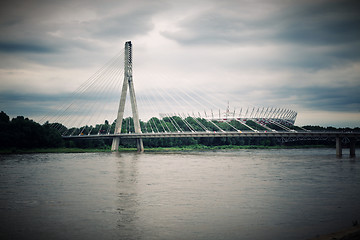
(242, 194)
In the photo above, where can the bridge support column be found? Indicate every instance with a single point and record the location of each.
(139, 145)
(338, 147)
(115, 144)
(352, 147)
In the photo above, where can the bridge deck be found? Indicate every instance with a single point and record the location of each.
(222, 134)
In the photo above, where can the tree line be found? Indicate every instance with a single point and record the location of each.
(24, 133)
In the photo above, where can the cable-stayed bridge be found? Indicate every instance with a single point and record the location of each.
(181, 113)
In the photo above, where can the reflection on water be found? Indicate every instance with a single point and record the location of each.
(127, 202)
(246, 194)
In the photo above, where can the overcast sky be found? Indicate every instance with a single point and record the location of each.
(302, 55)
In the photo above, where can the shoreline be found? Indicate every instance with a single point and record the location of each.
(189, 148)
(352, 233)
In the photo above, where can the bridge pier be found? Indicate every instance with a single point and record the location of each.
(139, 145)
(352, 147)
(338, 147)
(115, 144)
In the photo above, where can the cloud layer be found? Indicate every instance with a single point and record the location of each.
(302, 55)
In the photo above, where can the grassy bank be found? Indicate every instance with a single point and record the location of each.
(52, 150)
(189, 148)
(227, 147)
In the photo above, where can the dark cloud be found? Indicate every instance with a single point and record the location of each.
(215, 28)
(324, 98)
(126, 25)
(42, 104)
(298, 26)
(15, 103)
(70, 34)
(315, 57)
(12, 47)
(50, 26)
(320, 23)
(303, 22)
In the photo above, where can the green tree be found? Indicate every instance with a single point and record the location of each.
(4, 118)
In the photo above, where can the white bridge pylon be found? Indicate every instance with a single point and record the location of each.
(127, 84)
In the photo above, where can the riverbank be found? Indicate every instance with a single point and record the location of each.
(199, 147)
(188, 148)
(52, 150)
(346, 234)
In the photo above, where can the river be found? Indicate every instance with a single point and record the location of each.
(240, 194)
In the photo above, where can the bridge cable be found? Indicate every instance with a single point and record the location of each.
(98, 88)
(63, 111)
